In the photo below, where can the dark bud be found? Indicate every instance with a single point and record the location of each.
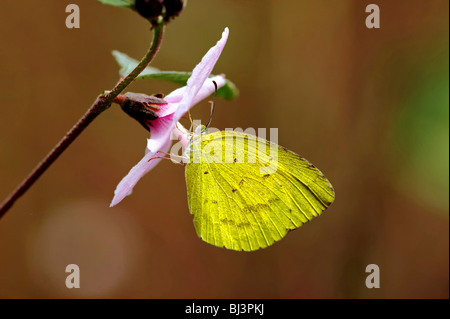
(173, 8)
(149, 9)
(141, 107)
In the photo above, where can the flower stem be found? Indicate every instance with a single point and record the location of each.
(102, 103)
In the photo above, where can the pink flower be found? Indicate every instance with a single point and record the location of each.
(198, 87)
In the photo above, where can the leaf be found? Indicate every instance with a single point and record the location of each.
(119, 3)
(128, 64)
(229, 91)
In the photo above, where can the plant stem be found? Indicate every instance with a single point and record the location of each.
(102, 103)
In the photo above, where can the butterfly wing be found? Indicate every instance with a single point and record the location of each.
(246, 193)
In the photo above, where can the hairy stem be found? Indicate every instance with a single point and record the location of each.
(102, 103)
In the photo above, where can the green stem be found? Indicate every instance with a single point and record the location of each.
(102, 103)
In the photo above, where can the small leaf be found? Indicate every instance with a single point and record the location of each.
(119, 3)
(229, 91)
(128, 64)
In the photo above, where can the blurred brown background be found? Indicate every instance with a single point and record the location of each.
(368, 107)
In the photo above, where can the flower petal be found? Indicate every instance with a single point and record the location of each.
(177, 95)
(169, 108)
(199, 75)
(127, 184)
(208, 88)
(159, 132)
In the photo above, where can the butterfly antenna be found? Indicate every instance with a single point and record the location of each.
(212, 104)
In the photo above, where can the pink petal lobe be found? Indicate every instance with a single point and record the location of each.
(208, 88)
(127, 184)
(159, 132)
(199, 75)
(175, 96)
(165, 109)
(168, 108)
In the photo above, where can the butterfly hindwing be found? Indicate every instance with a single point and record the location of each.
(245, 199)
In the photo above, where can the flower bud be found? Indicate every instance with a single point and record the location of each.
(149, 9)
(157, 10)
(173, 8)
